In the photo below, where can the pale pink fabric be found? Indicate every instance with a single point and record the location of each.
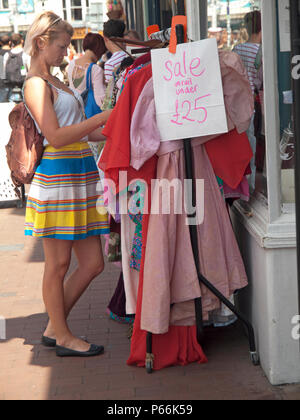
(238, 97)
(239, 105)
(170, 274)
(144, 121)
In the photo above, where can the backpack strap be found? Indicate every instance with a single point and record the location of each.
(45, 80)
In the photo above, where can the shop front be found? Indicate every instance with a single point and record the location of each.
(266, 231)
(265, 226)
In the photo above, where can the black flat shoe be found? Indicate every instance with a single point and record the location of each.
(93, 351)
(48, 342)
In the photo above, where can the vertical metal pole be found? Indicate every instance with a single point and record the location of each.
(203, 19)
(189, 173)
(180, 7)
(228, 24)
(295, 45)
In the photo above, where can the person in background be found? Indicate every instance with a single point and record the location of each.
(248, 52)
(224, 41)
(106, 56)
(234, 38)
(216, 33)
(5, 43)
(94, 48)
(64, 185)
(113, 28)
(132, 34)
(242, 36)
(72, 53)
(5, 47)
(16, 64)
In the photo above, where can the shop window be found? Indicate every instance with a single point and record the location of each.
(4, 4)
(76, 10)
(64, 7)
(287, 139)
(228, 24)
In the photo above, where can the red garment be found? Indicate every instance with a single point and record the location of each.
(143, 59)
(230, 155)
(117, 151)
(179, 346)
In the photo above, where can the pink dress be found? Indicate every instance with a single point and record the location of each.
(170, 276)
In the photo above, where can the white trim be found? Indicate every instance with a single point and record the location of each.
(271, 108)
(193, 18)
(279, 234)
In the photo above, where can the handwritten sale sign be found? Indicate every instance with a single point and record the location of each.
(188, 91)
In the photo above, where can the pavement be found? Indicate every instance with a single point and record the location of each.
(28, 371)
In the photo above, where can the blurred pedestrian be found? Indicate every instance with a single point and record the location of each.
(132, 34)
(5, 47)
(78, 69)
(242, 36)
(113, 28)
(16, 65)
(216, 33)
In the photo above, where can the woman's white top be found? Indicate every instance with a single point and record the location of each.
(69, 110)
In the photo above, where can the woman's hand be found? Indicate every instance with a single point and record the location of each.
(105, 116)
(97, 135)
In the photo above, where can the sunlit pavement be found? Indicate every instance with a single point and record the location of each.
(31, 372)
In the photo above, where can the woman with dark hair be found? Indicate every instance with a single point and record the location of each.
(93, 47)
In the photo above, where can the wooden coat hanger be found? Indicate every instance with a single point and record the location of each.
(148, 45)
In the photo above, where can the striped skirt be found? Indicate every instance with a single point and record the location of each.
(63, 202)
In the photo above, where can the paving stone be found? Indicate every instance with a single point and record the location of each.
(30, 371)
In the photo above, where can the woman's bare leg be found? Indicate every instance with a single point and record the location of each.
(57, 261)
(90, 264)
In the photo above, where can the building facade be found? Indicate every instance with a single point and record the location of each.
(84, 15)
(266, 232)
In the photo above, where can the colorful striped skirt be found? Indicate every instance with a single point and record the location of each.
(63, 201)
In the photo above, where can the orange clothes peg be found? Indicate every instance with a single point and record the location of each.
(177, 20)
(152, 29)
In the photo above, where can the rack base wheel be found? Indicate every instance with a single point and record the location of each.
(254, 358)
(149, 362)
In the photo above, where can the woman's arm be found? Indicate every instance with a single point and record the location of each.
(38, 99)
(97, 135)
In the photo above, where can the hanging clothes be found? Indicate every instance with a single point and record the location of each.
(116, 154)
(173, 278)
(178, 323)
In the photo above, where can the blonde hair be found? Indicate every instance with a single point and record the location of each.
(46, 26)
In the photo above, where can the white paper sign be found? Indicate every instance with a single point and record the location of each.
(188, 91)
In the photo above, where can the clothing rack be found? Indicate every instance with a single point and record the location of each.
(202, 280)
(147, 45)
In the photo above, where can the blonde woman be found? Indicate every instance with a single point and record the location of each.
(61, 206)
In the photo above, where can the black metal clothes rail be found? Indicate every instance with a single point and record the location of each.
(188, 153)
(295, 51)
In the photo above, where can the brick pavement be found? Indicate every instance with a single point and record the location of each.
(28, 371)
